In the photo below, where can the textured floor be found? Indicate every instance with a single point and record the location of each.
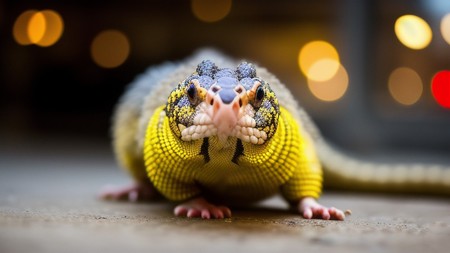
(48, 204)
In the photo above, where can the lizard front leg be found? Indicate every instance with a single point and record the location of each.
(136, 191)
(200, 207)
(309, 208)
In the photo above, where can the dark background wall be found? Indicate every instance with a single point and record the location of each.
(59, 91)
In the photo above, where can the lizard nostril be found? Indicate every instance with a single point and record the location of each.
(215, 89)
(212, 101)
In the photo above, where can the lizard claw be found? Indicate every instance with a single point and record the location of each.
(310, 209)
(199, 207)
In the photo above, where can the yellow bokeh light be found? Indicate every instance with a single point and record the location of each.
(54, 27)
(43, 28)
(36, 27)
(20, 28)
(318, 60)
(323, 69)
(413, 31)
(445, 28)
(110, 49)
(211, 10)
(331, 89)
(405, 86)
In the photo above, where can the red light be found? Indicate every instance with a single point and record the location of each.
(440, 87)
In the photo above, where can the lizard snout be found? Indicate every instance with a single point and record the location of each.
(225, 111)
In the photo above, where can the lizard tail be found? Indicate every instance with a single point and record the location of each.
(346, 173)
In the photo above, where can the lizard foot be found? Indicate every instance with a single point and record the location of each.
(199, 207)
(310, 209)
(133, 192)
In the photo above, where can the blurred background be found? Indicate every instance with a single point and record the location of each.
(375, 75)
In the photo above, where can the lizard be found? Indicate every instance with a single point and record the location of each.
(211, 130)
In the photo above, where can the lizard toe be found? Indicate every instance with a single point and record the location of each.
(200, 208)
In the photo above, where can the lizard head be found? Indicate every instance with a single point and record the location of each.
(225, 103)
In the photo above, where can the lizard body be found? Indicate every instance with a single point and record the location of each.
(166, 135)
(255, 174)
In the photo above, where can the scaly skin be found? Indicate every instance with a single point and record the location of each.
(179, 170)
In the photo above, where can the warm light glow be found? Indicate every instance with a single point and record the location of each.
(323, 69)
(54, 28)
(211, 10)
(110, 49)
(332, 89)
(445, 28)
(36, 27)
(20, 28)
(440, 87)
(413, 31)
(43, 28)
(405, 86)
(318, 60)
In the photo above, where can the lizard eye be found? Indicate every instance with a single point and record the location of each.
(259, 95)
(191, 91)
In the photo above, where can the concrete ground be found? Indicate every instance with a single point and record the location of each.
(48, 204)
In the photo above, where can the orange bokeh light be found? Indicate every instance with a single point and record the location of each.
(110, 48)
(20, 28)
(211, 10)
(42, 28)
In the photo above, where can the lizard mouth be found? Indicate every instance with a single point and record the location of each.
(225, 112)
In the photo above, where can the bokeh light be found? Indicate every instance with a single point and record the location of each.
(318, 60)
(445, 28)
(54, 27)
(43, 28)
(323, 69)
(211, 10)
(413, 32)
(36, 27)
(440, 88)
(110, 49)
(331, 89)
(20, 28)
(405, 86)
